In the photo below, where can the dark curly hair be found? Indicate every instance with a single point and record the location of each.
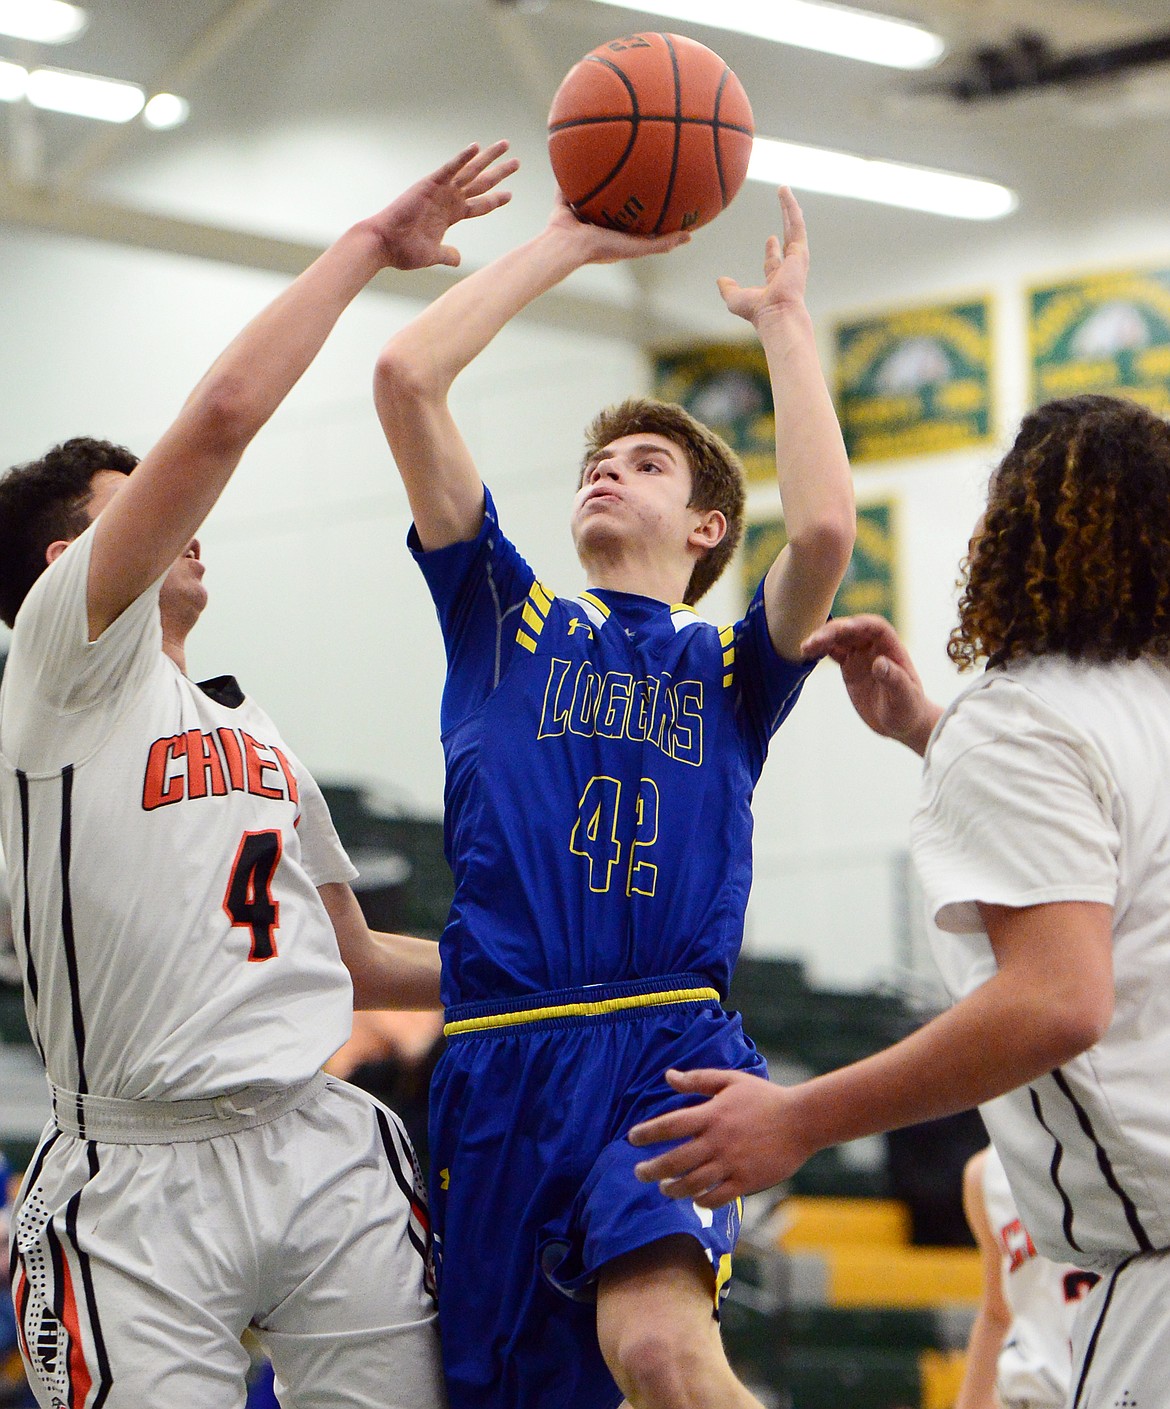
(717, 476)
(1072, 555)
(46, 500)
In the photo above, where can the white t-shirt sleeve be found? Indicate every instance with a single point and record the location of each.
(61, 689)
(1018, 810)
(322, 854)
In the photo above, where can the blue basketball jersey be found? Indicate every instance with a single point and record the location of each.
(601, 754)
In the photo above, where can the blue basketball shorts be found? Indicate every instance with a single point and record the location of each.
(533, 1186)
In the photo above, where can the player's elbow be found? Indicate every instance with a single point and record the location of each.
(825, 544)
(229, 412)
(1076, 1020)
(403, 376)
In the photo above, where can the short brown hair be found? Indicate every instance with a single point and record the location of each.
(717, 477)
(46, 500)
(1073, 553)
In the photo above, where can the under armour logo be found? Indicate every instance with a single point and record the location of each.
(576, 624)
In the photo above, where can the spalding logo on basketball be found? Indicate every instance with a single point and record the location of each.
(650, 133)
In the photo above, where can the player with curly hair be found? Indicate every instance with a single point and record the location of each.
(1042, 840)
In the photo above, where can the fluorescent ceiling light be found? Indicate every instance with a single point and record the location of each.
(832, 29)
(13, 82)
(887, 182)
(43, 21)
(85, 95)
(166, 110)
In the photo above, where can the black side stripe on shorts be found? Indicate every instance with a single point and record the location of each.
(68, 937)
(30, 968)
(1091, 1348)
(406, 1185)
(1105, 1165)
(1054, 1172)
(105, 1378)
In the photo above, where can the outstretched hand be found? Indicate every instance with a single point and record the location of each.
(598, 244)
(879, 675)
(743, 1139)
(413, 226)
(785, 269)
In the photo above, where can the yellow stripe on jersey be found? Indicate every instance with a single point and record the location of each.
(595, 602)
(535, 611)
(586, 1010)
(722, 1277)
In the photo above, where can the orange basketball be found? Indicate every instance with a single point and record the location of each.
(650, 133)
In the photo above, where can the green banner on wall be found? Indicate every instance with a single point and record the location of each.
(726, 386)
(916, 381)
(871, 580)
(1107, 333)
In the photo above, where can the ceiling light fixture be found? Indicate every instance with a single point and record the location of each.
(886, 182)
(831, 29)
(42, 21)
(85, 95)
(13, 82)
(166, 110)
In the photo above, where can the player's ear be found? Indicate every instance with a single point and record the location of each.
(55, 549)
(709, 531)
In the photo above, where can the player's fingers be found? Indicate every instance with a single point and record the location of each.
(844, 633)
(491, 177)
(706, 1081)
(693, 1184)
(794, 228)
(672, 1164)
(484, 205)
(476, 168)
(722, 1194)
(674, 1125)
(448, 254)
(449, 169)
(728, 288)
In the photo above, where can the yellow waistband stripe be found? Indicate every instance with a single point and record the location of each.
(585, 1010)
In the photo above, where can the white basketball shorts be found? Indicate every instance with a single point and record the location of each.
(148, 1236)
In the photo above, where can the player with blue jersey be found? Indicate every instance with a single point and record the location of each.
(601, 754)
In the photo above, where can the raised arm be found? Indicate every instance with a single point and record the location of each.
(418, 365)
(153, 518)
(816, 488)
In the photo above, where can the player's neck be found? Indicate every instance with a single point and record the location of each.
(175, 650)
(659, 581)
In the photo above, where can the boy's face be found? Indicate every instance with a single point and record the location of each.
(635, 490)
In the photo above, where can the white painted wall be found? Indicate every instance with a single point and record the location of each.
(316, 606)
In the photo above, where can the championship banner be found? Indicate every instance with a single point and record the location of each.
(1109, 333)
(726, 386)
(916, 381)
(870, 583)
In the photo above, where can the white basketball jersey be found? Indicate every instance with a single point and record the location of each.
(1035, 1363)
(1048, 781)
(164, 852)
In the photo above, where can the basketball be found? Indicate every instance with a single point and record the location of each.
(649, 134)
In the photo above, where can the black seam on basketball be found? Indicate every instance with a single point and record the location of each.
(1105, 1164)
(715, 137)
(633, 119)
(599, 118)
(677, 135)
(1054, 1172)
